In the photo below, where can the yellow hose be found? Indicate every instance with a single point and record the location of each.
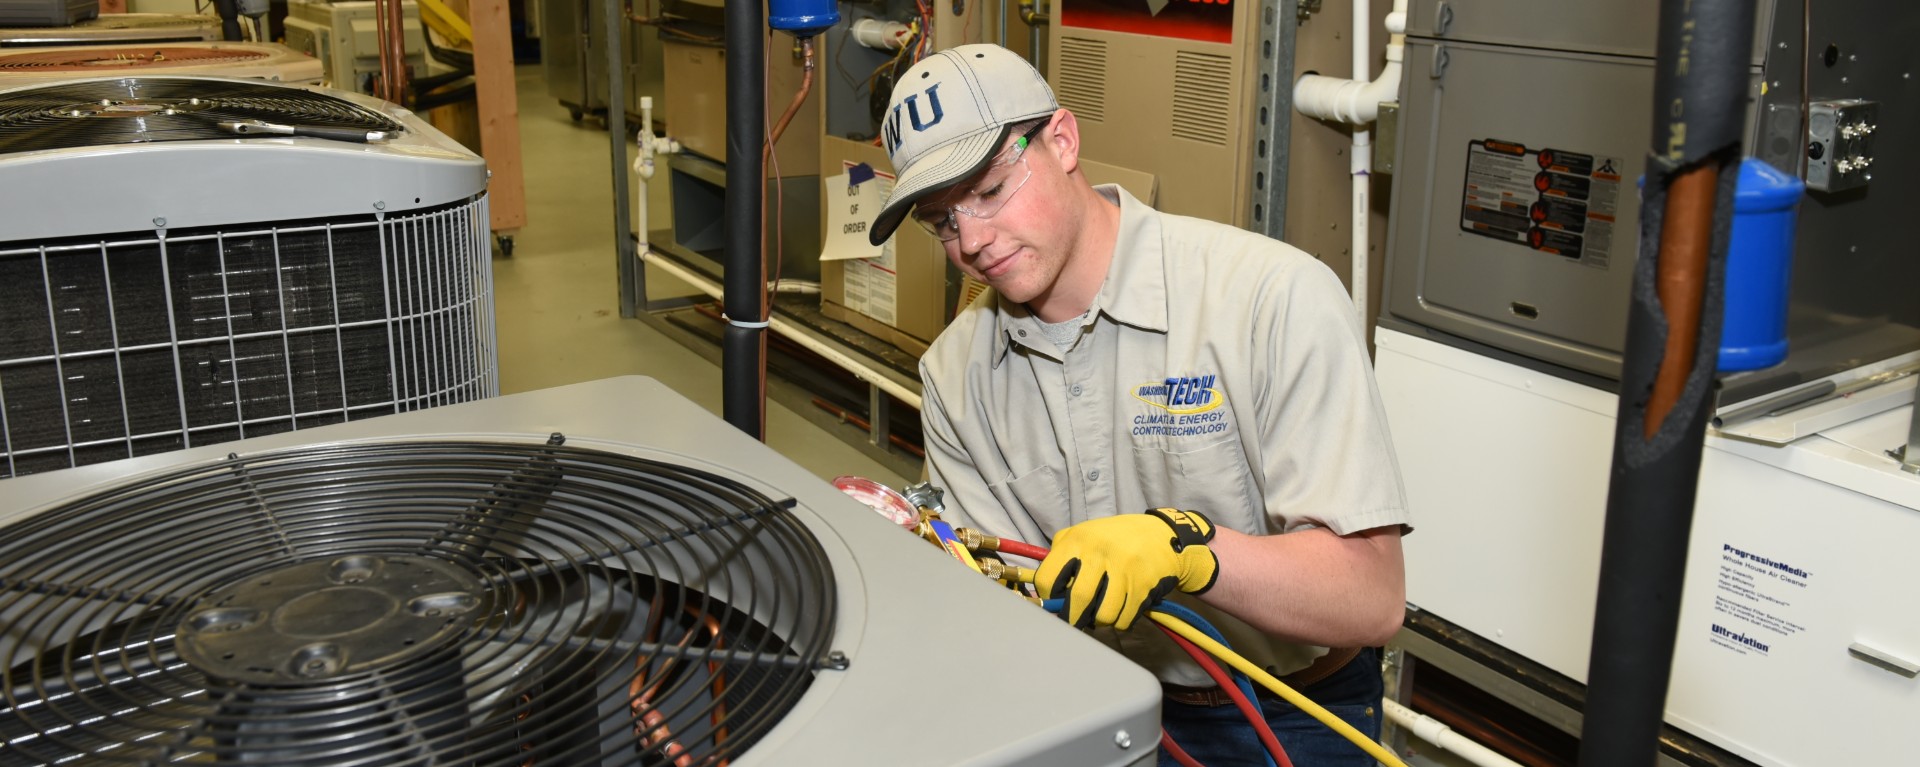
(1286, 693)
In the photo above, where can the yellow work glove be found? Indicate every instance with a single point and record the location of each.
(1111, 569)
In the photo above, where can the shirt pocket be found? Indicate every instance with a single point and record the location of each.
(1036, 501)
(1212, 478)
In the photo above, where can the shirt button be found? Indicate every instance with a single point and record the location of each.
(1023, 334)
(1093, 476)
(1075, 390)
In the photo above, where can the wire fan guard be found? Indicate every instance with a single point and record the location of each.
(459, 602)
(146, 109)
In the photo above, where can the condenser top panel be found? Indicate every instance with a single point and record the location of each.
(924, 671)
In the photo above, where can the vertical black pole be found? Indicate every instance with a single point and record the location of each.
(743, 352)
(1700, 92)
(632, 296)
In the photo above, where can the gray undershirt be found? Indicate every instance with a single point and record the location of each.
(1065, 334)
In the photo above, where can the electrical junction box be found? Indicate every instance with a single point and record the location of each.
(1840, 143)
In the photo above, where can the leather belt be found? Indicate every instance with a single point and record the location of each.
(1321, 668)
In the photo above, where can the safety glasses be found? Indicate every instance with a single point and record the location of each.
(1005, 177)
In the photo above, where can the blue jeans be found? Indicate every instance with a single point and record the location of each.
(1218, 736)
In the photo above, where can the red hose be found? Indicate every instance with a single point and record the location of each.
(1240, 701)
(1207, 664)
(1174, 750)
(1018, 549)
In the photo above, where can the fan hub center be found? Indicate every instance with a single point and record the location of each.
(333, 612)
(131, 107)
(326, 618)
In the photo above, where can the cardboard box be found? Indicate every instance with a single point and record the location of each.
(921, 302)
(696, 115)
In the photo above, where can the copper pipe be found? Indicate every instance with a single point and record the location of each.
(652, 726)
(380, 39)
(716, 642)
(400, 71)
(526, 699)
(766, 162)
(895, 439)
(393, 46)
(1686, 240)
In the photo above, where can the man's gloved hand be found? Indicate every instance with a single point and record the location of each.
(1112, 568)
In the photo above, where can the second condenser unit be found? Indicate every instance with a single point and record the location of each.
(171, 278)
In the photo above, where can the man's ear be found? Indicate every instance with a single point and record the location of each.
(1063, 135)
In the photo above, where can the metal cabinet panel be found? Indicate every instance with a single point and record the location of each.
(1529, 252)
(1616, 27)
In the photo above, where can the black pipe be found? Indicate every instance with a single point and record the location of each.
(1700, 95)
(229, 11)
(743, 360)
(626, 247)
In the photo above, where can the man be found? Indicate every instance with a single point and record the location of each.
(1124, 361)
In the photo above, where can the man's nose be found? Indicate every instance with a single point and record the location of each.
(975, 233)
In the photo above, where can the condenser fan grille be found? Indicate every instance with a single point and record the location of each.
(123, 57)
(430, 603)
(143, 343)
(142, 109)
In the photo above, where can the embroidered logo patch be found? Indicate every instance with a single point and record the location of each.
(1181, 396)
(1188, 405)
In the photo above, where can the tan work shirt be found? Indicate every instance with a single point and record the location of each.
(1219, 370)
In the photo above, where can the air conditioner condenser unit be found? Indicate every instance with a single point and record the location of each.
(109, 28)
(264, 61)
(601, 574)
(167, 282)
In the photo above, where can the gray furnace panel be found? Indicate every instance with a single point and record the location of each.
(1517, 209)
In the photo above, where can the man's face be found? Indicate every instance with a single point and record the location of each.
(1021, 249)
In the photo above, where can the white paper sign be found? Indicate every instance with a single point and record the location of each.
(873, 285)
(850, 210)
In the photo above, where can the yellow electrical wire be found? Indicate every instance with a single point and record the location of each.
(1286, 693)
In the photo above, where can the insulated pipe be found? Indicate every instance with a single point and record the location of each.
(1441, 736)
(743, 360)
(1686, 213)
(229, 11)
(632, 279)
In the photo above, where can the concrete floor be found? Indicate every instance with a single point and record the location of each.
(557, 300)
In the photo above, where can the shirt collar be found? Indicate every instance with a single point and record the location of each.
(1135, 290)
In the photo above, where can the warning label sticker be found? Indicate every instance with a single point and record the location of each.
(1551, 200)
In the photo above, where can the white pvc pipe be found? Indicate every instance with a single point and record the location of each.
(1356, 100)
(1360, 160)
(651, 146)
(840, 359)
(880, 35)
(1432, 731)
